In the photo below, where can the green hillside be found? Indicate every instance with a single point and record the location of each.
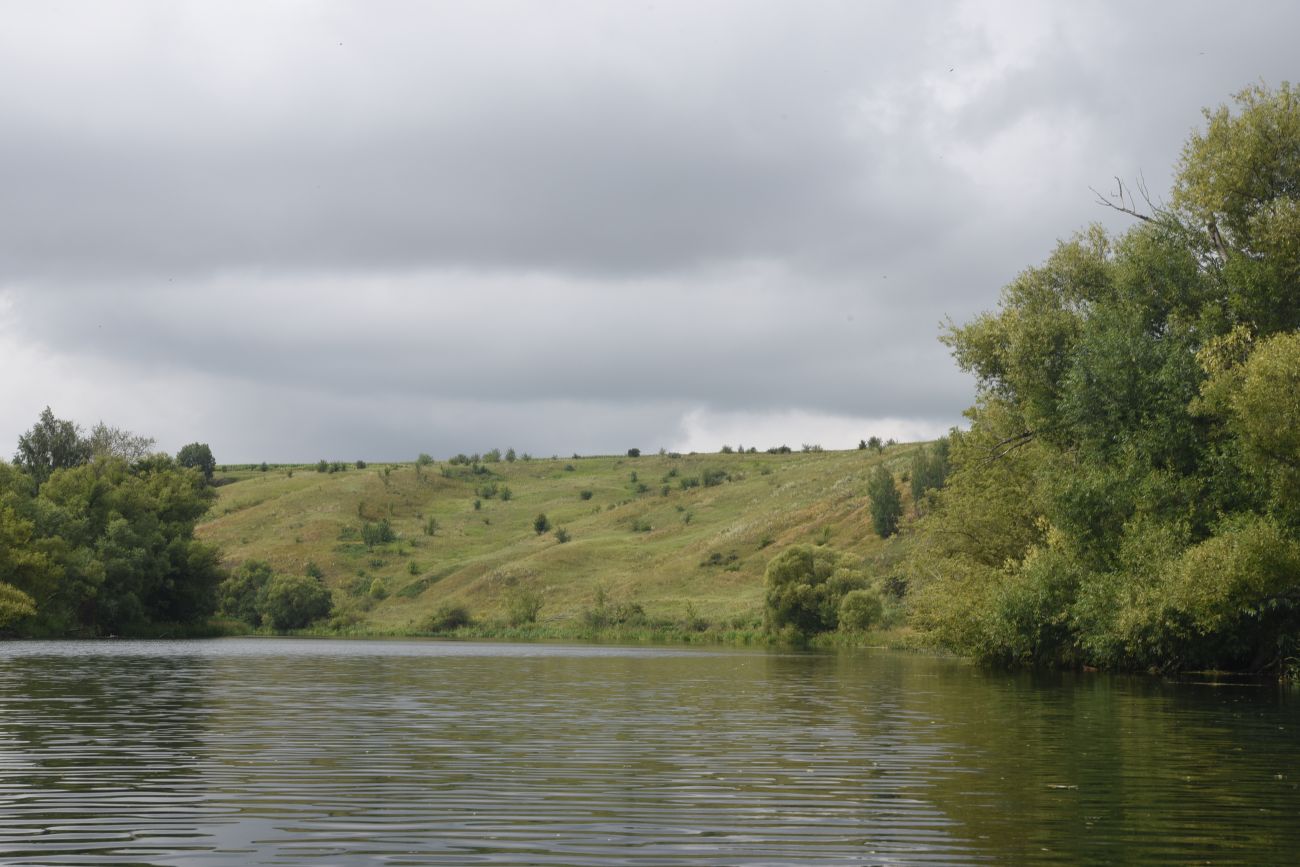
(644, 537)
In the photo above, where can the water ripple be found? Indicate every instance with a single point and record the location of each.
(275, 752)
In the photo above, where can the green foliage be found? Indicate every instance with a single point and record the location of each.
(107, 546)
(510, 456)
(430, 526)
(360, 464)
(242, 595)
(522, 607)
(584, 494)
(928, 470)
(634, 453)
(561, 535)
(1128, 493)
(448, 617)
(294, 602)
(492, 456)
(860, 610)
(377, 533)
(886, 502)
(15, 605)
(805, 586)
(51, 444)
(541, 524)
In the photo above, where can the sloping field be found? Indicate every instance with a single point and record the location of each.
(644, 534)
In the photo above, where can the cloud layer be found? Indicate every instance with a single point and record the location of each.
(369, 230)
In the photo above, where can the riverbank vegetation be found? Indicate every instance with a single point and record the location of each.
(1128, 493)
(97, 536)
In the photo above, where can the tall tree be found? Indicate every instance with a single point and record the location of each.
(1127, 492)
(50, 445)
(886, 502)
(199, 456)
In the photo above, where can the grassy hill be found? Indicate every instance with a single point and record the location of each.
(643, 536)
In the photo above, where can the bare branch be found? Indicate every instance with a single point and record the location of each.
(1124, 203)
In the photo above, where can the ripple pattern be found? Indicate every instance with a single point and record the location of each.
(277, 752)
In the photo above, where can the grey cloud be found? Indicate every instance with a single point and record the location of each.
(583, 220)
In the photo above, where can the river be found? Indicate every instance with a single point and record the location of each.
(264, 751)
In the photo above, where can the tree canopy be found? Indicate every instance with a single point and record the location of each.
(1128, 493)
(91, 543)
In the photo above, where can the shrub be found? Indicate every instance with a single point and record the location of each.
(713, 476)
(311, 570)
(361, 465)
(492, 456)
(805, 586)
(322, 466)
(688, 482)
(378, 589)
(541, 523)
(860, 610)
(240, 594)
(430, 526)
(263, 467)
(561, 535)
(377, 533)
(447, 617)
(640, 526)
(413, 568)
(510, 456)
(634, 453)
(505, 493)
(584, 494)
(726, 450)
(523, 606)
(568, 468)
(779, 450)
(295, 601)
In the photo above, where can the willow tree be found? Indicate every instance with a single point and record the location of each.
(1128, 493)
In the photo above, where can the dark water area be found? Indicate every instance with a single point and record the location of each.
(362, 752)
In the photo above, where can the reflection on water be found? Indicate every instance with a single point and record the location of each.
(263, 751)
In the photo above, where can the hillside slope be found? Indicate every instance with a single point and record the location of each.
(641, 537)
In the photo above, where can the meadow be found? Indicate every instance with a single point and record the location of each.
(653, 543)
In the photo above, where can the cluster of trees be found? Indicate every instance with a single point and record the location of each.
(812, 589)
(97, 533)
(255, 594)
(1128, 494)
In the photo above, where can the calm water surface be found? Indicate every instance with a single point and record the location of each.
(349, 752)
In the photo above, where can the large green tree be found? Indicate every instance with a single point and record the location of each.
(93, 544)
(1127, 494)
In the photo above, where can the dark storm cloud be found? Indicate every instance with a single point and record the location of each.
(372, 228)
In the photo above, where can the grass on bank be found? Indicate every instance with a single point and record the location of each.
(659, 547)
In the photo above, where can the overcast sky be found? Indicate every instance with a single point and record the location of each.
(372, 229)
